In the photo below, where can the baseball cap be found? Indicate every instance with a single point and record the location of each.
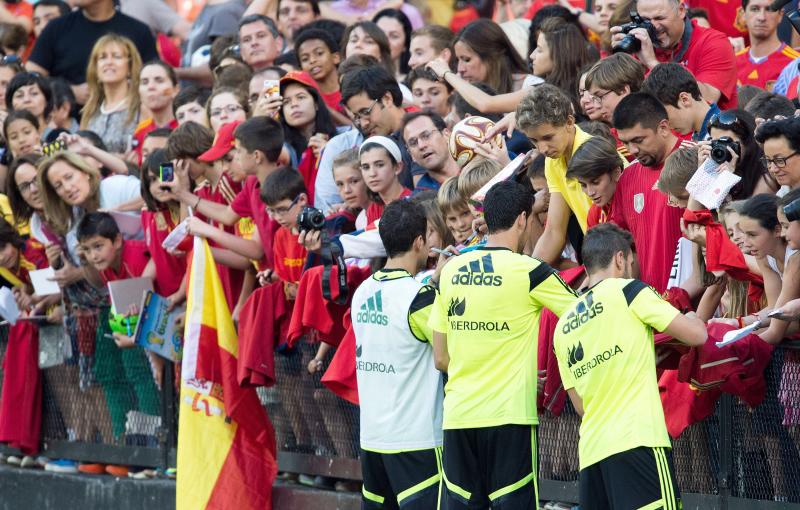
(223, 143)
(300, 77)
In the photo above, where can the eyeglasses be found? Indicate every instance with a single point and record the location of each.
(727, 120)
(280, 211)
(364, 112)
(598, 98)
(231, 109)
(423, 137)
(778, 162)
(25, 187)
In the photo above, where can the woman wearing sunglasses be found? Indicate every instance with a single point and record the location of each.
(747, 162)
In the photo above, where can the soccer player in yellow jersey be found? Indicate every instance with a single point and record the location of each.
(485, 322)
(606, 357)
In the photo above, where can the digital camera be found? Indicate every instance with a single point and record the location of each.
(310, 219)
(719, 149)
(630, 44)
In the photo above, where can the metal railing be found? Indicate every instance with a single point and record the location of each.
(103, 405)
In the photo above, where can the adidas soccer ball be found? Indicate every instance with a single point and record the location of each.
(466, 135)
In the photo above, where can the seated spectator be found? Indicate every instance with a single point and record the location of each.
(64, 104)
(190, 105)
(426, 137)
(226, 105)
(596, 165)
(158, 85)
(32, 92)
(293, 15)
(260, 42)
(256, 89)
(46, 11)
(397, 27)
(21, 131)
(428, 43)
(430, 93)
(761, 63)
(318, 54)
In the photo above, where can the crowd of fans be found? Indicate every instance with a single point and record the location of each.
(266, 108)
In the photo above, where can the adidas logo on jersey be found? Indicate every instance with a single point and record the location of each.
(371, 312)
(586, 309)
(478, 272)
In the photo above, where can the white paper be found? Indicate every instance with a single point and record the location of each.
(175, 237)
(43, 285)
(8, 306)
(709, 186)
(737, 334)
(130, 224)
(127, 293)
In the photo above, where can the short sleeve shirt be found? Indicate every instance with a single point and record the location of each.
(248, 204)
(605, 350)
(488, 305)
(156, 14)
(555, 171)
(764, 72)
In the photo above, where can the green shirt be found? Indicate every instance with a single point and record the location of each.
(488, 304)
(605, 350)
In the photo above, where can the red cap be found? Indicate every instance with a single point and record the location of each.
(223, 143)
(300, 77)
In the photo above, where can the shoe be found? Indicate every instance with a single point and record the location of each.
(14, 460)
(307, 480)
(61, 466)
(144, 474)
(28, 462)
(347, 486)
(89, 468)
(323, 482)
(118, 471)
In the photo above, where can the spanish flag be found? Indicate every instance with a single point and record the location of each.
(226, 444)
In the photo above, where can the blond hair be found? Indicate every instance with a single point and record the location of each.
(59, 213)
(679, 167)
(448, 197)
(475, 174)
(96, 92)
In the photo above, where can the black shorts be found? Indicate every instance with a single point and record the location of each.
(643, 478)
(406, 480)
(491, 467)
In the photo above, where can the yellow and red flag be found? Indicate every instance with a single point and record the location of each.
(226, 443)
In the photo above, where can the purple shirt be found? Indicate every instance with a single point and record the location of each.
(348, 9)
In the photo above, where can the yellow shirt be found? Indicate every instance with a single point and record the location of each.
(605, 350)
(489, 303)
(555, 171)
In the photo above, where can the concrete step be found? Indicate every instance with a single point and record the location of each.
(29, 489)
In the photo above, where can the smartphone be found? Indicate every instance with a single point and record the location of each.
(272, 88)
(166, 172)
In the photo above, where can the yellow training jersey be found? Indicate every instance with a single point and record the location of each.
(605, 350)
(488, 304)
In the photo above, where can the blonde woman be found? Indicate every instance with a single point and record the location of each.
(112, 76)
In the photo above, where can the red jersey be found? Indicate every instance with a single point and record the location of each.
(134, 259)
(710, 59)
(763, 73)
(290, 257)
(248, 204)
(144, 128)
(170, 270)
(334, 101)
(727, 16)
(375, 210)
(654, 224)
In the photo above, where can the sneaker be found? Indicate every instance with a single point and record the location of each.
(144, 474)
(323, 482)
(307, 480)
(61, 466)
(118, 471)
(14, 460)
(92, 468)
(28, 462)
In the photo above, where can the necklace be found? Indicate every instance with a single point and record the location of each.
(105, 110)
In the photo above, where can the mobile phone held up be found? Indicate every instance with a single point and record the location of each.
(166, 172)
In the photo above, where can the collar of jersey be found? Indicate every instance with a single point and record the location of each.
(492, 248)
(383, 275)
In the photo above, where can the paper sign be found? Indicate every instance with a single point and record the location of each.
(8, 306)
(125, 293)
(130, 224)
(174, 239)
(43, 284)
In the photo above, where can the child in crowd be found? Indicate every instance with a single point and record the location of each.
(597, 166)
(190, 105)
(318, 54)
(381, 164)
(457, 215)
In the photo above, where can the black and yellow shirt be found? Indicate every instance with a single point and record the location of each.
(488, 304)
(604, 344)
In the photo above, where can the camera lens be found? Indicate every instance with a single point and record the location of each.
(628, 44)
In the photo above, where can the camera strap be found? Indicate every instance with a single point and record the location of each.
(332, 253)
(685, 40)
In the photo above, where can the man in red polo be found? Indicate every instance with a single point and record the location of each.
(643, 126)
(706, 52)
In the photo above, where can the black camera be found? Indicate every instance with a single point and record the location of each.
(310, 219)
(719, 149)
(792, 210)
(630, 44)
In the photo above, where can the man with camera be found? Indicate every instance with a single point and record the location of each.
(643, 126)
(660, 31)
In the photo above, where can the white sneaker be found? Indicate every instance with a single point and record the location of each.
(13, 460)
(28, 462)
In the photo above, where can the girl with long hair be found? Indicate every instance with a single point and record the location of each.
(397, 27)
(112, 75)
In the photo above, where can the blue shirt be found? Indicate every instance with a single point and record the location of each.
(701, 135)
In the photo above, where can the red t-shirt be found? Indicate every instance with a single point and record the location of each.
(170, 270)
(144, 128)
(711, 60)
(764, 73)
(334, 101)
(375, 210)
(248, 204)
(290, 257)
(655, 226)
(135, 257)
(724, 15)
(599, 215)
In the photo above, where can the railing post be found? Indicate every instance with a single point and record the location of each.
(725, 449)
(168, 425)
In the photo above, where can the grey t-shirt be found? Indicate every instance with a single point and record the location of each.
(156, 14)
(212, 22)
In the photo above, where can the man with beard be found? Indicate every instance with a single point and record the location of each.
(643, 126)
(426, 136)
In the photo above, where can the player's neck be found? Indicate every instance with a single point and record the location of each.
(408, 261)
(508, 239)
(763, 47)
(599, 276)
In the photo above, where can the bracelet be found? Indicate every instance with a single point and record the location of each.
(198, 202)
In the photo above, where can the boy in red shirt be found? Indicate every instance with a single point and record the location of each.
(318, 54)
(118, 370)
